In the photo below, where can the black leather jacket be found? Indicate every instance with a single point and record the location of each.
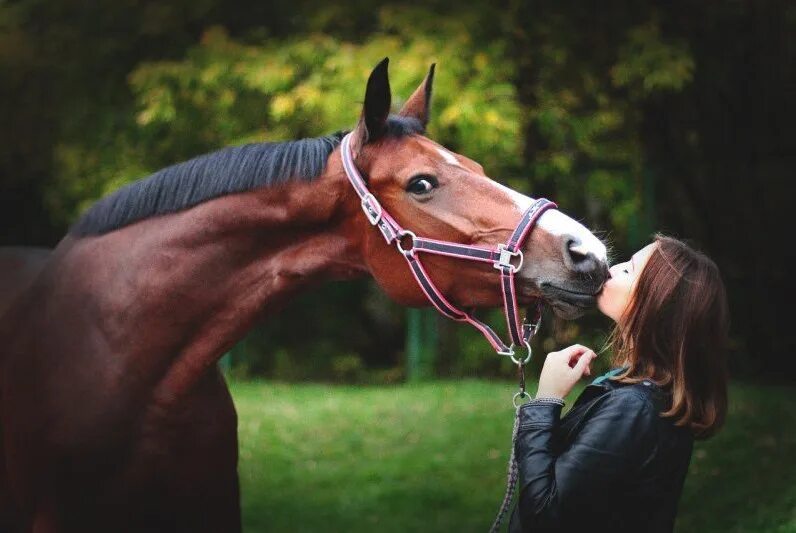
(610, 464)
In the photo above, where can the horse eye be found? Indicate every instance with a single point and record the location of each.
(422, 184)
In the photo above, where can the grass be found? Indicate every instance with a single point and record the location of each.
(432, 457)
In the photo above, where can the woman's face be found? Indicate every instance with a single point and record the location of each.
(618, 290)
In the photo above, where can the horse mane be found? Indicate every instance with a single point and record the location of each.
(229, 170)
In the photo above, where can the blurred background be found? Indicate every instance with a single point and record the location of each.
(636, 117)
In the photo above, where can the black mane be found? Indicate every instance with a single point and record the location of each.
(229, 170)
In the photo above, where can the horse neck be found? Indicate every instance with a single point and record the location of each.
(197, 280)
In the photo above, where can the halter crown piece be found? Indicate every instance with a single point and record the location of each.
(500, 257)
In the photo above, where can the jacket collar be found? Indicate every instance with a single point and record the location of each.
(607, 383)
(603, 383)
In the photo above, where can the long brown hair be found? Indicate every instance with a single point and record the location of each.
(674, 332)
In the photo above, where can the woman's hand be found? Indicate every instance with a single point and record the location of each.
(563, 369)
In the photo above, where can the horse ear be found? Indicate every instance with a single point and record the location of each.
(372, 123)
(418, 105)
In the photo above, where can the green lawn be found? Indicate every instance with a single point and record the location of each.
(432, 457)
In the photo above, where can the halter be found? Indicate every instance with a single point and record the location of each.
(500, 257)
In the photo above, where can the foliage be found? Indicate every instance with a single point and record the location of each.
(588, 112)
(230, 92)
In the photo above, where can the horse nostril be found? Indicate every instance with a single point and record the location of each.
(584, 261)
(576, 253)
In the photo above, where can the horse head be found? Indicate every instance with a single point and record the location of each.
(440, 194)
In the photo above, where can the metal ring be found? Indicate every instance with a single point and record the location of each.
(522, 394)
(523, 361)
(406, 233)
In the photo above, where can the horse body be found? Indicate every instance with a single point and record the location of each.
(19, 266)
(114, 415)
(139, 387)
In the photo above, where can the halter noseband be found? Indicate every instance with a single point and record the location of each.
(500, 257)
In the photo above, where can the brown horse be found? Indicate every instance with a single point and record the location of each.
(114, 415)
(19, 266)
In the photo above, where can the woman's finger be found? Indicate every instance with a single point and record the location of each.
(583, 362)
(573, 359)
(574, 349)
(570, 351)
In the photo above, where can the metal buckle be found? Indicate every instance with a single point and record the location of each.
(531, 327)
(508, 353)
(409, 252)
(506, 257)
(372, 208)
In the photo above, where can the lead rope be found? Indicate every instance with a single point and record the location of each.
(513, 470)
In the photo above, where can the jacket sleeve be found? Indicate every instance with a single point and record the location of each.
(616, 438)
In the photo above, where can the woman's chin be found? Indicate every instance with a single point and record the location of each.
(602, 304)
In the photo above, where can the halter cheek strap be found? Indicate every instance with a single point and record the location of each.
(501, 257)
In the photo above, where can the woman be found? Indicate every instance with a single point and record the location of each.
(618, 459)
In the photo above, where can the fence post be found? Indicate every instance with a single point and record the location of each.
(421, 343)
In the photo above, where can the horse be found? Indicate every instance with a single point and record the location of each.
(19, 266)
(114, 414)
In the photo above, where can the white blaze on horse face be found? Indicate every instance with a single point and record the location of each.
(557, 223)
(521, 202)
(552, 221)
(449, 157)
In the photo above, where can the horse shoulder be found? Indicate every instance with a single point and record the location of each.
(19, 266)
